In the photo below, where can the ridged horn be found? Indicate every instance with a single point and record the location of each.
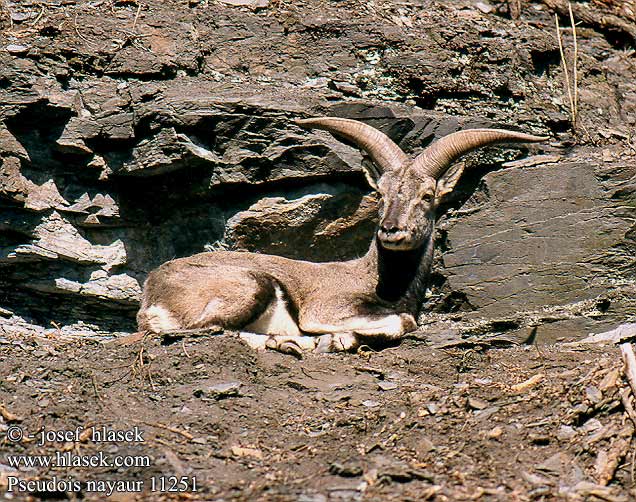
(439, 156)
(382, 150)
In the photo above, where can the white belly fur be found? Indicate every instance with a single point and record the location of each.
(160, 319)
(276, 319)
(390, 326)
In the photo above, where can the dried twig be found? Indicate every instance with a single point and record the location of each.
(563, 61)
(183, 347)
(167, 336)
(168, 428)
(629, 358)
(139, 362)
(572, 88)
(130, 339)
(77, 28)
(7, 415)
(630, 365)
(627, 404)
(608, 463)
(136, 16)
(152, 382)
(530, 382)
(575, 72)
(37, 19)
(94, 382)
(190, 333)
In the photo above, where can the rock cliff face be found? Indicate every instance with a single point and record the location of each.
(132, 133)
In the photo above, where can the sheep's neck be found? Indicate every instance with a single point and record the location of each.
(402, 275)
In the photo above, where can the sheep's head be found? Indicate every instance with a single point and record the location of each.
(407, 208)
(412, 189)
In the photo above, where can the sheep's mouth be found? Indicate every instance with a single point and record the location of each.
(397, 241)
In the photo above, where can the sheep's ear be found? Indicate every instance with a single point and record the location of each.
(446, 184)
(371, 173)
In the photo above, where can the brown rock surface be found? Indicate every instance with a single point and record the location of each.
(134, 133)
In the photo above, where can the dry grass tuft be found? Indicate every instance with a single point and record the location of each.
(573, 88)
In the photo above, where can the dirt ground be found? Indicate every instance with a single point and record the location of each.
(413, 422)
(406, 423)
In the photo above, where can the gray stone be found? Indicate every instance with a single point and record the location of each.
(524, 246)
(247, 3)
(337, 224)
(17, 49)
(57, 238)
(386, 386)
(221, 390)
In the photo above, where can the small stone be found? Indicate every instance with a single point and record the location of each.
(403, 473)
(240, 452)
(593, 394)
(16, 49)
(432, 408)
(252, 4)
(484, 7)
(312, 497)
(346, 87)
(477, 404)
(73, 145)
(555, 463)
(345, 470)
(539, 439)
(18, 17)
(581, 409)
(425, 445)
(486, 412)
(592, 425)
(534, 479)
(97, 162)
(387, 386)
(341, 493)
(565, 432)
(301, 387)
(609, 381)
(370, 404)
(220, 390)
(494, 433)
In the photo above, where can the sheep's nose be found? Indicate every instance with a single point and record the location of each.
(392, 234)
(389, 229)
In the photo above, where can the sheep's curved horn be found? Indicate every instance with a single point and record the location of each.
(382, 150)
(439, 156)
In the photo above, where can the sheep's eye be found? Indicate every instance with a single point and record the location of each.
(427, 197)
